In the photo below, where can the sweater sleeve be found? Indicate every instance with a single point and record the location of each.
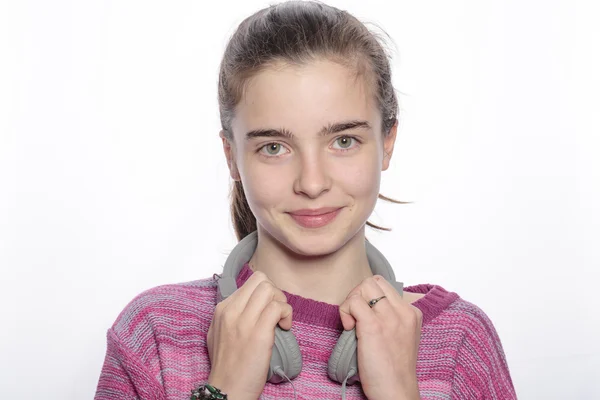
(481, 368)
(124, 376)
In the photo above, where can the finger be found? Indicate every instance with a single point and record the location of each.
(388, 289)
(355, 310)
(276, 312)
(264, 294)
(397, 302)
(355, 290)
(370, 290)
(242, 295)
(366, 290)
(360, 287)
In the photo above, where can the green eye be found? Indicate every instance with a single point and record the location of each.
(344, 142)
(273, 148)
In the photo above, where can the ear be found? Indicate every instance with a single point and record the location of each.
(388, 146)
(228, 149)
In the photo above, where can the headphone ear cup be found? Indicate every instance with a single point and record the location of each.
(286, 355)
(343, 360)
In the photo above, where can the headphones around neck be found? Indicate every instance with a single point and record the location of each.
(286, 360)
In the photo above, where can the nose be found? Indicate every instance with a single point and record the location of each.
(313, 177)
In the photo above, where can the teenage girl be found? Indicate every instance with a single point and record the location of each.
(305, 307)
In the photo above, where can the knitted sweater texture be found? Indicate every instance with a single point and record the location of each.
(156, 349)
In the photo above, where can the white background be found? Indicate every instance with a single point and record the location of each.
(112, 178)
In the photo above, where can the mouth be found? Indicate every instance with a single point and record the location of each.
(315, 218)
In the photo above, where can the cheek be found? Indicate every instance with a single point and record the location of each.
(359, 178)
(264, 185)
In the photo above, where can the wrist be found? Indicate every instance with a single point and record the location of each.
(208, 392)
(226, 388)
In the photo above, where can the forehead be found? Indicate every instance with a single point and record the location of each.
(304, 98)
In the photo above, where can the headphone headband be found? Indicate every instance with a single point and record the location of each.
(244, 250)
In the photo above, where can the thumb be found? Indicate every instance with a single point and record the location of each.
(347, 319)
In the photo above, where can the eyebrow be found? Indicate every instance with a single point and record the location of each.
(325, 131)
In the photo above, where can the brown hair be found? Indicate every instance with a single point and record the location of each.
(297, 32)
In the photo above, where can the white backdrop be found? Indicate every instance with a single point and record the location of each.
(112, 177)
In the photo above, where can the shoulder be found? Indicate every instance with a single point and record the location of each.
(462, 325)
(166, 307)
(446, 308)
(479, 339)
(157, 327)
(470, 314)
(474, 322)
(459, 322)
(481, 367)
(431, 300)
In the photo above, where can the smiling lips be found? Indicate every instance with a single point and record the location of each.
(315, 218)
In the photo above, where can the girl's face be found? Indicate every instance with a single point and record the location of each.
(309, 138)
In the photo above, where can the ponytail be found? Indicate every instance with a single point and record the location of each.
(243, 219)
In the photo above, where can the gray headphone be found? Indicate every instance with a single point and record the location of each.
(286, 360)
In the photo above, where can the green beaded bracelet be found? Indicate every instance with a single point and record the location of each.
(207, 392)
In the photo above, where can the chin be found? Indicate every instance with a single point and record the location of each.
(314, 245)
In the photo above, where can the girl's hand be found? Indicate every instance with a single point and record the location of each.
(388, 338)
(241, 337)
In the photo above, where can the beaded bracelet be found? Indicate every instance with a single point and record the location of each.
(207, 392)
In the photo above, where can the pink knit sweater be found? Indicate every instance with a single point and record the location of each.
(157, 347)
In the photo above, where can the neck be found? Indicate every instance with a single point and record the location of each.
(327, 278)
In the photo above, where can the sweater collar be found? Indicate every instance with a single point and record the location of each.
(315, 312)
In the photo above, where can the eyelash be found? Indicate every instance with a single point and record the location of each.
(358, 143)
